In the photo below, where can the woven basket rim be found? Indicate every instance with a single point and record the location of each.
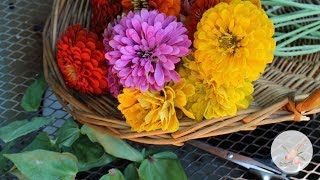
(100, 113)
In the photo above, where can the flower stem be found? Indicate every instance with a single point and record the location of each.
(295, 22)
(315, 33)
(296, 53)
(291, 3)
(299, 36)
(276, 34)
(299, 14)
(305, 47)
(297, 31)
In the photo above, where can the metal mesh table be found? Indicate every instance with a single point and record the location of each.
(21, 23)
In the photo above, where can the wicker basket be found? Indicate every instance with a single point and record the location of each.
(286, 80)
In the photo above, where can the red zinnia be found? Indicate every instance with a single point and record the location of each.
(81, 60)
(103, 12)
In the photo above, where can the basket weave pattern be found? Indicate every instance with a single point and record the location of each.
(294, 77)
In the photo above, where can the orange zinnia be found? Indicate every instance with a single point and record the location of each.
(81, 60)
(169, 7)
(199, 7)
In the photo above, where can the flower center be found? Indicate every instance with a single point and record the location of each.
(144, 54)
(72, 73)
(228, 42)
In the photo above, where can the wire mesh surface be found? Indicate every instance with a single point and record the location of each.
(21, 61)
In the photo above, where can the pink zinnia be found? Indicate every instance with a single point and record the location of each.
(146, 45)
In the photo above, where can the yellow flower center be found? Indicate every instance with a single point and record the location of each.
(228, 43)
(72, 73)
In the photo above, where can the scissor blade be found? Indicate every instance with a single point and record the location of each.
(239, 159)
(211, 149)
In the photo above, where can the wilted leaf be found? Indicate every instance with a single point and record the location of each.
(23, 127)
(33, 95)
(68, 133)
(113, 146)
(46, 165)
(162, 166)
(114, 174)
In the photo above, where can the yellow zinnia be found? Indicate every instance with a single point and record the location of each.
(212, 100)
(235, 42)
(148, 111)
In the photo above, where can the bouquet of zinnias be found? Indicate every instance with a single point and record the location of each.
(164, 62)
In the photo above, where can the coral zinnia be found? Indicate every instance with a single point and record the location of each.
(148, 111)
(235, 41)
(199, 7)
(210, 99)
(145, 48)
(81, 60)
(169, 7)
(103, 12)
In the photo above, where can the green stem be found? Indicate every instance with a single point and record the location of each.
(298, 36)
(276, 34)
(293, 48)
(274, 8)
(299, 14)
(296, 53)
(297, 31)
(295, 22)
(315, 33)
(291, 3)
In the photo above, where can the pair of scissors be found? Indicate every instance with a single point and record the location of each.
(263, 171)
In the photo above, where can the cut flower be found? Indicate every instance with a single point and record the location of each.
(210, 99)
(115, 87)
(81, 61)
(234, 41)
(199, 7)
(145, 48)
(148, 111)
(103, 12)
(169, 7)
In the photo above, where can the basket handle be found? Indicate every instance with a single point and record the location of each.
(308, 104)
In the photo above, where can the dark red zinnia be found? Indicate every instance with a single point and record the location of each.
(103, 12)
(81, 60)
(195, 14)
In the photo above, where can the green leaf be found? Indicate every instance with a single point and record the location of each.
(18, 174)
(3, 160)
(45, 165)
(149, 152)
(42, 141)
(162, 166)
(114, 174)
(23, 127)
(131, 172)
(33, 95)
(89, 154)
(113, 146)
(68, 133)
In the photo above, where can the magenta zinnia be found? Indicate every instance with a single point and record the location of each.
(146, 46)
(115, 87)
